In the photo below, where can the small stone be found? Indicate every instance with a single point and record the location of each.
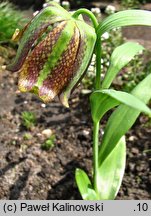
(83, 135)
(17, 92)
(132, 166)
(39, 134)
(132, 138)
(43, 105)
(86, 132)
(135, 151)
(47, 132)
(37, 152)
(3, 67)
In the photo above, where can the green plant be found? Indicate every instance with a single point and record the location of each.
(48, 73)
(10, 20)
(27, 136)
(49, 143)
(28, 119)
(130, 4)
(135, 71)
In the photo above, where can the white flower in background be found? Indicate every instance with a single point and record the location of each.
(140, 52)
(116, 29)
(91, 68)
(96, 12)
(102, 61)
(48, 1)
(66, 5)
(105, 36)
(110, 9)
(107, 63)
(57, 1)
(93, 59)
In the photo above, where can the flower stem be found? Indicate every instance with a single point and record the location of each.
(89, 14)
(97, 86)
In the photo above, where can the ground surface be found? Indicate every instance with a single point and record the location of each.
(28, 172)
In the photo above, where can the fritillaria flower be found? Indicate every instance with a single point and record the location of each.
(54, 52)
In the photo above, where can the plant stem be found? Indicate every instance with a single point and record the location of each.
(96, 125)
(98, 63)
(95, 154)
(97, 86)
(89, 14)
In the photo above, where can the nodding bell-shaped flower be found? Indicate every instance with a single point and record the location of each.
(54, 52)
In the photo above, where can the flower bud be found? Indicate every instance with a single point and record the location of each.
(54, 52)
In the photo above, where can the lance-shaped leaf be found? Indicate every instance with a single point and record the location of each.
(111, 172)
(30, 35)
(122, 119)
(85, 186)
(104, 100)
(121, 56)
(125, 18)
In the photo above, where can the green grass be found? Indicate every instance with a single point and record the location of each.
(28, 119)
(49, 143)
(10, 20)
(27, 136)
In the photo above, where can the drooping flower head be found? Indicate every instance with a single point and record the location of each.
(54, 52)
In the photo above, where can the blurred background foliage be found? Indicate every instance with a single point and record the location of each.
(10, 19)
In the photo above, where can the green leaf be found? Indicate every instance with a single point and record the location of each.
(121, 56)
(122, 119)
(111, 172)
(100, 104)
(103, 100)
(125, 18)
(84, 185)
(128, 99)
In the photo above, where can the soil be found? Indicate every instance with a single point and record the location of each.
(28, 172)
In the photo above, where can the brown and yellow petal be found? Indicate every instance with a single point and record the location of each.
(36, 60)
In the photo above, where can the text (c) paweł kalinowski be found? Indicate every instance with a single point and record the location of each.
(61, 207)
